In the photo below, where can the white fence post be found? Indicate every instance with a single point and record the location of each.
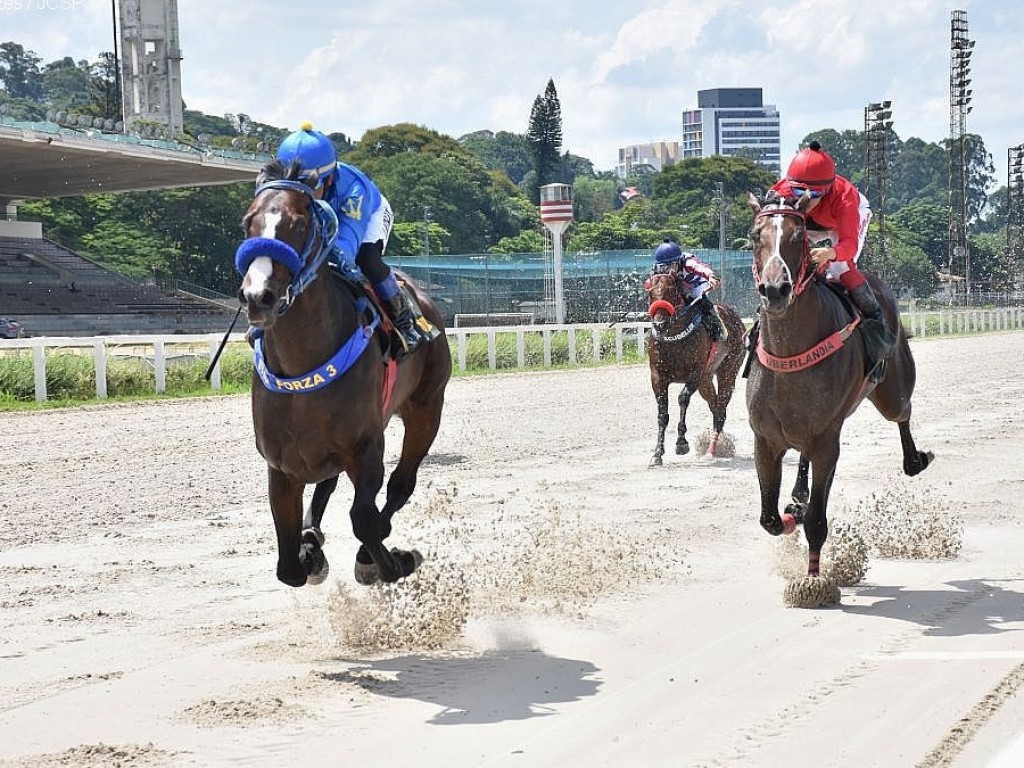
(160, 367)
(100, 356)
(215, 373)
(521, 347)
(39, 368)
(597, 344)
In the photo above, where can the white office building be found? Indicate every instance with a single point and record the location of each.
(733, 121)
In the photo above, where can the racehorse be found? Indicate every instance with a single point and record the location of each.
(325, 386)
(812, 373)
(680, 350)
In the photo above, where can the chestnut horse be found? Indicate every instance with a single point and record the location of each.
(324, 386)
(680, 351)
(811, 373)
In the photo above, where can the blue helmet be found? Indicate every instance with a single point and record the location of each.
(311, 149)
(668, 252)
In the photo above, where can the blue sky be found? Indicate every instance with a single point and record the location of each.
(624, 70)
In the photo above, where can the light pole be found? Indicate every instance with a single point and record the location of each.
(1014, 217)
(426, 243)
(877, 124)
(961, 49)
(723, 213)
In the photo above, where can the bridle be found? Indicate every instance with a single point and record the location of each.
(806, 271)
(305, 266)
(674, 311)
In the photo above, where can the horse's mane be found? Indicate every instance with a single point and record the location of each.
(277, 170)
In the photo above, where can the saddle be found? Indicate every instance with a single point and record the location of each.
(359, 287)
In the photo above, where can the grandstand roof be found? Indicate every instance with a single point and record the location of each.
(41, 160)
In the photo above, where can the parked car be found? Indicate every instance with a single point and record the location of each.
(10, 329)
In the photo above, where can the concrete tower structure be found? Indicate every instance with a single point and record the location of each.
(151, 64)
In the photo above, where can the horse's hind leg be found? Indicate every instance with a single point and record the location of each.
(311, 552)
(421, 425)
(914, 461)
(373, 560)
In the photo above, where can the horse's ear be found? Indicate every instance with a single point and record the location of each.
(802, 202)
(753, 202)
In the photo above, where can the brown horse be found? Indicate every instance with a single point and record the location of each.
(680, 351)
(314, 419)
(811, 374)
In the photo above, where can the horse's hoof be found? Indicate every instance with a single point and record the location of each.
(655, 461)
(924, 458)
(796, 509)
(812, 592)
(318, 568)
(408, 560)
(682, 448)
(366, 575)
(296, 580)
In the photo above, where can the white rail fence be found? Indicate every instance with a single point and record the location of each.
(160, 349)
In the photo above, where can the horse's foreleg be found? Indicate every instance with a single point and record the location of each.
(286, 507)
(914, 461)
(816, 514)
(800, 491)
(661, 397)
(682, 446)
(768, 461)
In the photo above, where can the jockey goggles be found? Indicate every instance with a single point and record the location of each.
(813, 194)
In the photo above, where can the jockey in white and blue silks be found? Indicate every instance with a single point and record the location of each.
(694, 279)
(364, 219)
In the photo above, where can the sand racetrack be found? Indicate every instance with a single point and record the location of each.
(615, 615)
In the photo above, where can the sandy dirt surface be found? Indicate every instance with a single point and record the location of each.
(576, 607)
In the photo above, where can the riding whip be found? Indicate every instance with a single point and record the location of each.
(223, 343)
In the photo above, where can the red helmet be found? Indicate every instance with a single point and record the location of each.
(812, 168)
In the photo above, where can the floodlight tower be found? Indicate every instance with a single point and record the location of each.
(1015, 217)
(877, 124)
(961, 49)
(556, 215)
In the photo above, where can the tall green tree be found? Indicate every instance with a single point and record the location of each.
(545, 139)
(20, 73)
(501, 151)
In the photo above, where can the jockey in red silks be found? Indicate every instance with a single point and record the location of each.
(694, 279)
(839, 213)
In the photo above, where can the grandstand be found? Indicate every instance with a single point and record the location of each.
(52, 291)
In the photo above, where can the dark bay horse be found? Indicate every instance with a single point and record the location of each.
(680, 351)
(811, 373)
(324, 386)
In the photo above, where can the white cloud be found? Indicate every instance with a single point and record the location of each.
(624, 71)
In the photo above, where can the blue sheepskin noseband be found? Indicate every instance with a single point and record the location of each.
(276, 250)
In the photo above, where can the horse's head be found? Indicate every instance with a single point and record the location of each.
(663, 298)
(288, 234)
(782, 266)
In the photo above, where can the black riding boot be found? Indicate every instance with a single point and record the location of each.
(402, 316)
(878, 339)
(713, 320)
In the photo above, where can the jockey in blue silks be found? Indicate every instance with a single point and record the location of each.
(364, 220)
(694, 279)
